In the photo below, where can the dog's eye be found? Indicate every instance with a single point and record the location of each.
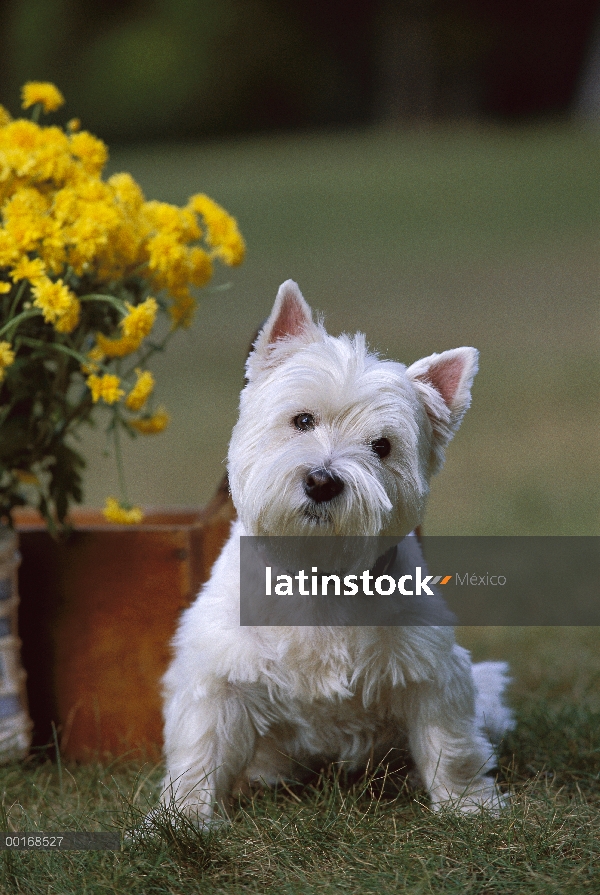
(381, 446)
(304, 422)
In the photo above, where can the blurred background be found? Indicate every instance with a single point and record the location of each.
(427, 170)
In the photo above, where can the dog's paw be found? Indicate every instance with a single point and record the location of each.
(165, 818)
(148, 829)
(473, 800)
(492, 803)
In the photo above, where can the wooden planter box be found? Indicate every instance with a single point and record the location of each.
(97, 616)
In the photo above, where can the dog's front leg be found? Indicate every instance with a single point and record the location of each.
(450, 752)
(209, 741)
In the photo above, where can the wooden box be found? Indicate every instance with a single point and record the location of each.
(97, 616)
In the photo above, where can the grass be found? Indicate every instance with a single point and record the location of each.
(425, 241)
(370, 834)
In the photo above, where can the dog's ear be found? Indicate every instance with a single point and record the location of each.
(289, 322)
(443, 383)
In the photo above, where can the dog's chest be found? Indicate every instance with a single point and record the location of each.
(341, 722)
(332, 680)
(338, 664)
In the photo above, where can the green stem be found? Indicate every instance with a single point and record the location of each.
(24, 315)
(222, 287)
(38, 343)
(17, 298)
(119, 458)
(77, 414)
(109, 299)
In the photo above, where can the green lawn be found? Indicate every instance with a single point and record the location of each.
(370, 835)
(425, 242)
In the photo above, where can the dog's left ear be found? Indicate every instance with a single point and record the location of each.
(289, 325)
(443, 383)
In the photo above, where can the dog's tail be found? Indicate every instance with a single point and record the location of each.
(493, 715)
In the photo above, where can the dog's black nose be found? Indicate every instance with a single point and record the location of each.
(321, 485)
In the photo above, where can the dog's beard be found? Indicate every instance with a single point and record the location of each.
(364, 508)
(317, 514)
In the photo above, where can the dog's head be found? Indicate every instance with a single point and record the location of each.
(333, 440)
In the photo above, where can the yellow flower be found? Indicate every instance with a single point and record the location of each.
(168, 220)
(54, 253)
(136, 325)
(28, 269)
(90, 150)
(166, 253)
(35, 154)
(116, 347)
(54, 299)
(105, 387)
(42, 92)
(139, 321)
(25, 477)
(222, 231)
(232, 249)
(9, 251)
(182, 309)
(151, 425)
(25, 218)
(201, 268)
(96, 356)
(126, 190)
(141, 391)
(67, 322)
(7, 356)
(67, 235)
(116, 512)
(17, 137)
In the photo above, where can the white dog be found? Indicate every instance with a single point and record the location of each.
(331, 440)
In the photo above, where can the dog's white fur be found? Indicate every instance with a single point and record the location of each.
(259, 703)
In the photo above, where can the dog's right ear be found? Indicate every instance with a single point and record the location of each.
(290, 323)
(443, 384)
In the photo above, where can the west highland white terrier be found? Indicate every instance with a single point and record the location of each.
(331, 440)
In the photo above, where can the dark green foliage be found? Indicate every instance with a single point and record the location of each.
(43, 399)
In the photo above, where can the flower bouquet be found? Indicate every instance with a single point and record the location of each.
(88, 270)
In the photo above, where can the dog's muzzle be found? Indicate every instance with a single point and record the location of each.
(321, 485)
